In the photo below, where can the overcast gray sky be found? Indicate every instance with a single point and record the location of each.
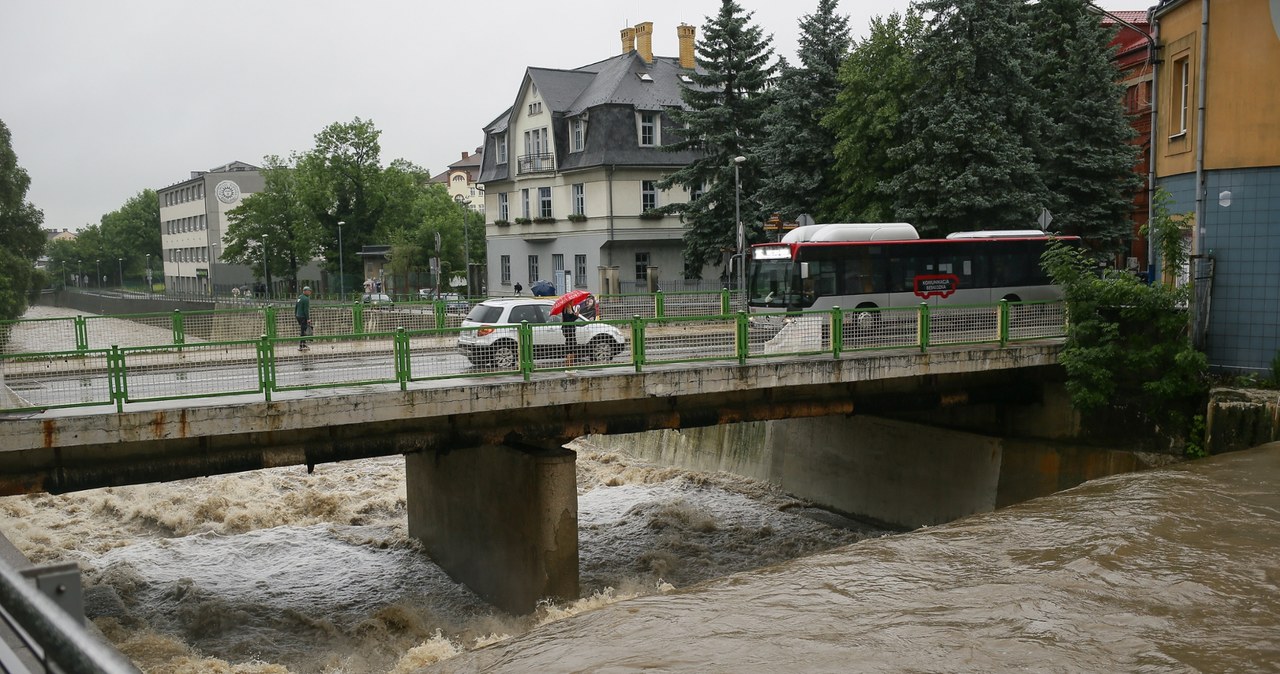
(105, 99)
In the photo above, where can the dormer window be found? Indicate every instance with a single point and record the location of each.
(577, 134)
(647, 126)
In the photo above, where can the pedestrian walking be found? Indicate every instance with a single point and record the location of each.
(302, 312)
(569, 317)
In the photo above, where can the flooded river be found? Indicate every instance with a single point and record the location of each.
(1169, 570)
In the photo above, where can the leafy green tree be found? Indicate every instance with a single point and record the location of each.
(341, 179)
(878, 81)
(724, 120)
(975, 127)
(130, 233)
(796, 153)
(1128, 344)
(20, 231)
(1088, 163)
(274, 224)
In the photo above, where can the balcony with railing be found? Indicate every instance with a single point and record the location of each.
(536, 163)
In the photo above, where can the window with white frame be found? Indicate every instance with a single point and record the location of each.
(500, 142)
(1182, 68)
(648, 129)
(544, 202)
(557, 262)
(648, 195)
(533, 269)
(642, 266)
(524, 203)
(580, 271)
(504, 209)
(504, 264)
(579, 198)
(577, 134)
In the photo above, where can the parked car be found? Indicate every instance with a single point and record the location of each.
(493, 341)
(377, 300)
(453, 302)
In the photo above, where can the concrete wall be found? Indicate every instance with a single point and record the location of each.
(896, 472)
(502, 520)
(1241, 418)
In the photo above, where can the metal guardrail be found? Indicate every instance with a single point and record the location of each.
(398, 355)
(56, 639)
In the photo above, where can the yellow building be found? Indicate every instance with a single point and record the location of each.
(1216, 150)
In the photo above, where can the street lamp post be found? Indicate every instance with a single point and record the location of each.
(120, 271)
(97, 265)
(79, 276)
(213, 260)
(266, 277)
(150, 287)
(737, 214)
(466, 238)
(342, 290)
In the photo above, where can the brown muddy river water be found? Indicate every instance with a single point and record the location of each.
(1169, 570)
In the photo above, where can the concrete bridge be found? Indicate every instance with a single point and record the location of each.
(491, 490)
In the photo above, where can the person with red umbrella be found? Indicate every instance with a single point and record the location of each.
(567, 306)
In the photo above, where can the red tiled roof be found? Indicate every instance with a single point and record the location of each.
(1137, 17)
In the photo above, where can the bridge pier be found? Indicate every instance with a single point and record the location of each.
(501, 519)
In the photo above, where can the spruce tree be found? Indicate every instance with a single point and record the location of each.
(726, 105)
(878, 82)
(1089, 172)
(974, 127)
(797, 153)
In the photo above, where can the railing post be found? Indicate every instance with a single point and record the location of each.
(270, 323)
(923, 323)
(179, 332)
(403, 366)
(743, 346)
(837, 332)
(725, 307)
(116, 377)
(1002, 322)
(266, 366)
(438, 310)
(357, 319)
(637, 342)
(82, 334)
(659, 304)
(525, 347)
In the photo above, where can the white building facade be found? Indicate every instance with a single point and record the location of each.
(570, 173)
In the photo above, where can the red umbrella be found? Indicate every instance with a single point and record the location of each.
(571, 298)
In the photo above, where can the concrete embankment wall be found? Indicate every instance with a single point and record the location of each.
(1241, 418)
(895, 472)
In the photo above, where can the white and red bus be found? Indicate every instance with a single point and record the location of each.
(881, 265)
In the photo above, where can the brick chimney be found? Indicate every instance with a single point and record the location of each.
(644, 40)
(628, 40)
(685, 34)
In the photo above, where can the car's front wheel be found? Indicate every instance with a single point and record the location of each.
(601, 349)
(504, 355)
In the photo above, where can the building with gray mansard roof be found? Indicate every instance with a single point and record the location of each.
(570, 173)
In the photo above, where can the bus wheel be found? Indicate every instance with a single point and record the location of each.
(862, 325)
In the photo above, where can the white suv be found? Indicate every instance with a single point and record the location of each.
(492, 337)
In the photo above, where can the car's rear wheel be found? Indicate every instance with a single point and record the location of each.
(601, 349)
(504, 356)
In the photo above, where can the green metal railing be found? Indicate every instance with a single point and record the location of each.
(398, 355)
